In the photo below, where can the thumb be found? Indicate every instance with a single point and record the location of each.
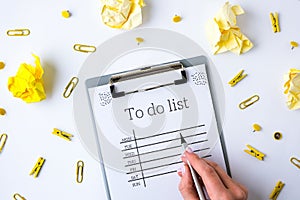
(186, 185)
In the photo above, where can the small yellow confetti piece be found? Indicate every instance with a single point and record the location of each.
(294, 44)
(66, 13)
(139, 40)
(256, 127)
(2, 111)
(2, 65)
(176, 19)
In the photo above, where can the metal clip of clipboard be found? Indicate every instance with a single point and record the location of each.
(146, 71)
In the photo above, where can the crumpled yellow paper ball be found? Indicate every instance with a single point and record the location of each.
(122, 14)
(28, 83)
(292, 89)
(223, 33)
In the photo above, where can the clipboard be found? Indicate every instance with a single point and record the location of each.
(138, 116)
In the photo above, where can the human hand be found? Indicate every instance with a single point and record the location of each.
(218, 184)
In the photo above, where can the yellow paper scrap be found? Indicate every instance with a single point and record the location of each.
(292, 89)
(224, 34)
(28, 83)
(122, 14)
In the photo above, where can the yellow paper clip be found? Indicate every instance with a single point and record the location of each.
(79, 171)
(17, 196)
(240, 76)
(3, 139)
(70, 87)
(64, 135)
(295, 162)
(84, 48)
(277, 189)
(18, 32)
(254, 152)
(248, 102)
(275, 22)
(37, 167)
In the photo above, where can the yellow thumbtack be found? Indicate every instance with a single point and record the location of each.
(2, 111)
(139, 40)
(65, 13)
(176, 18)
(256, 127)
(2, 65)
(294, 44)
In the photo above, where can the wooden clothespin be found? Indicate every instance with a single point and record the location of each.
(37, 167)
(254, 152)
(64, 135)
(275, 22)
(277, 189)
(240, 76)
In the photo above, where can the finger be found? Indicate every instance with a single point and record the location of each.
(210, 177)
(227, 181)
(186, 185)
(237, 189)
(179, 172)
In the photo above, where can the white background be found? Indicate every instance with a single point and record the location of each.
(52, 37)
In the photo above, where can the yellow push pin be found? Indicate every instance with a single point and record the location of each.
(139, 40)
(256, 127)
(2, 65)
(176, 18)
(2, 111)
(294, 44)
(65, 13)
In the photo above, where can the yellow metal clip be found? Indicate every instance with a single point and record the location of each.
(240, 76)
(17, 196)
(18, 32)
(70, 87)
(3, 139)
(84, 48)
(277, 189)
(275, 22)
(64, 135)
(295, 162)
(248, 102)
(79, 171)
(37, 167)
(254, 152)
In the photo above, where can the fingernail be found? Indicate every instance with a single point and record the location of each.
(188, 149)
(181, 170)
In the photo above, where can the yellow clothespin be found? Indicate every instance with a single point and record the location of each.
(275, 22)
(64, 135)
(240, 76)
(79, 171)
(277, 189)
(37, 167)
(254, 152)
(3, 139)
